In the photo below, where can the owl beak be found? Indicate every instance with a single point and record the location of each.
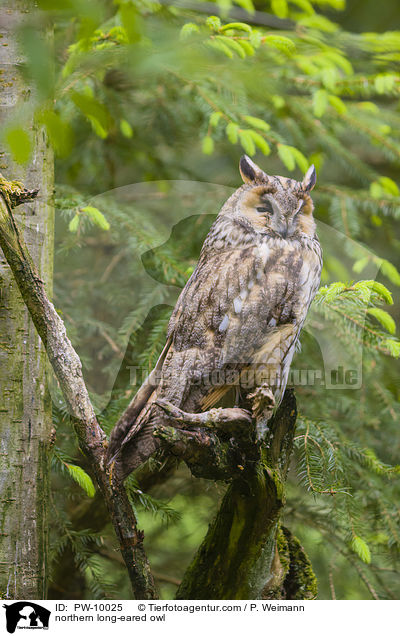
(285, 229)
(282, 227)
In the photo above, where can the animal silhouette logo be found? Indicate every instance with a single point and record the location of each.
(26, 615)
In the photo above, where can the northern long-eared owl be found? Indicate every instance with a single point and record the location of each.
(238, 319)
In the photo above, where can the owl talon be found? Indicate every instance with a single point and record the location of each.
(225, 419)
(263, 400)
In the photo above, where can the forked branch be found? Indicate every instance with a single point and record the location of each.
(68, 370)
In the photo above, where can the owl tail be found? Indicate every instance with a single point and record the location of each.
(131, 423)
(135, 452)
(140, 442)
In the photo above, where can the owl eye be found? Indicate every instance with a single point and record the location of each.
(266, 207)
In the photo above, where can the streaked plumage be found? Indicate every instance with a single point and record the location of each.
(242, 310)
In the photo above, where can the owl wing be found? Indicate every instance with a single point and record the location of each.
(240, 307)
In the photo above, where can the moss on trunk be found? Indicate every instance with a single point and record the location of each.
(246, 554)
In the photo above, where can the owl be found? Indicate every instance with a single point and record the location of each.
(237, 321)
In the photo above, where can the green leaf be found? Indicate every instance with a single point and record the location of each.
(339, 60)
(280, 8)
(247, 5)
(38, 60)
(363, 291)
(97, 217)
(393, 347)
(247, 142)
(97, 127)
(389, 186)
(257, 123)
(376, 190)
(207, 145)
(339, 5)
(188, 29)
(238, 26)
(291, 156)
(74, 223)
(300, 160)
(247, 47)
(93, 109)
(126, 128)
(337, 104)
(320, 102)
(384, 129)
(232, 44)
(368, 106)
(278, 101)
(376, 220)
(286, 156)
(329, 292)
(279, 42)
(232, 132)
(384, 83)
(360, 547)
(361, 264)
(260, 142)
(384, 318)
(82, 479)
(19, 143)
(215, 117)
(319, 22)
(305, 5)
(390, 271)
(329, 77)
(59, 132)
(381, 290)
(220, 46)
(130, 21)
(213, 22)
(255, 38)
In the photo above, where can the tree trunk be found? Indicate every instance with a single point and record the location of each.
(25, 406)
(246, 554)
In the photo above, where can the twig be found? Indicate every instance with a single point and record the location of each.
(331, 584)
(365, 580)
(111, 342)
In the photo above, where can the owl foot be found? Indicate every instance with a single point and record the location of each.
(229, 419)
(263, 401)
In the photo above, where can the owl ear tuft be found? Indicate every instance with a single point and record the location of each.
(310, 179)
(249, 170)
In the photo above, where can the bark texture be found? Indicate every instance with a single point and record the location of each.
(25, 407)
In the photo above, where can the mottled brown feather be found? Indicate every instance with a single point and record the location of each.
(243, 307)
